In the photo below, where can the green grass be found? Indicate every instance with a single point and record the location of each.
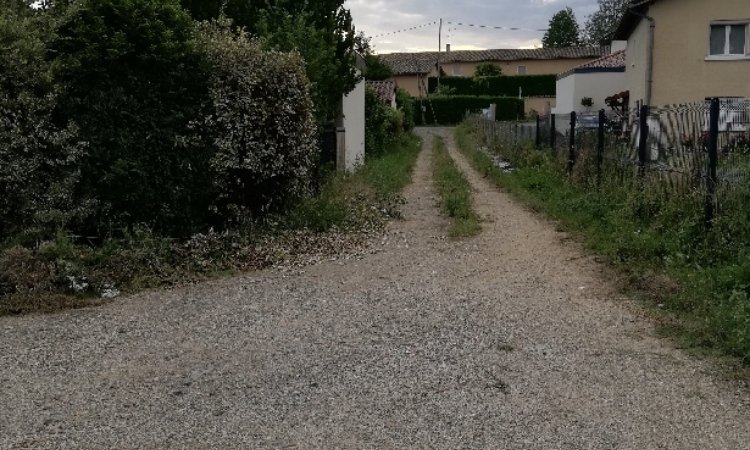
(62, 274)
(697, 281)
(455, 193)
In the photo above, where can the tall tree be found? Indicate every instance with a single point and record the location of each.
(563, 30)
(321, 30)
(601, 25)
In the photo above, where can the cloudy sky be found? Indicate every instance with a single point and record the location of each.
(377, 17)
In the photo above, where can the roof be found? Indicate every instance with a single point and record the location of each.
(385, 90)
(614, 62)
(632, 18)
(424, 62)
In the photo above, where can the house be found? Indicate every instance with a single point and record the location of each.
(595, 80)
(385, 91)
(411, 70)
(684, 51)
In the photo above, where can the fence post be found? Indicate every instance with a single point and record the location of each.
(643, 139)
(538, 137)
(572, 145)
(552, 131)
(600, 146)
(713, 156)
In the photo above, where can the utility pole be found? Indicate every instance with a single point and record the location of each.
(440, 47)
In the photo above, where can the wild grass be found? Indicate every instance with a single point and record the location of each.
(697, 280)
(67, 273)
(455, 193)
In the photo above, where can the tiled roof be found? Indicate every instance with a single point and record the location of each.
(606, 63)
(385, 90)
(420, 63)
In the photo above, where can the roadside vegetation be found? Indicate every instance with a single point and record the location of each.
(699, 280)
(148, 143)
(455, 193)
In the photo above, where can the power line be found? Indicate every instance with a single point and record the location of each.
(495, 27)
(406, 29)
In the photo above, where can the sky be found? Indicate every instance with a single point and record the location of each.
(377, 17)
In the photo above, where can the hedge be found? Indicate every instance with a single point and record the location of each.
(532, 85)
(450, 110)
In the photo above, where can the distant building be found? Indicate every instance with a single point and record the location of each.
(411, 70)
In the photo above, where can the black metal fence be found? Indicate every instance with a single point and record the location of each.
(698, 153)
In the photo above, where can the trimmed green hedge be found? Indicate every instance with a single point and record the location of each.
(532, 85)
(451, 110)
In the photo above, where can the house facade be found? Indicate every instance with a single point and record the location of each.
(595, 80)
(682, 51)
(411, 70)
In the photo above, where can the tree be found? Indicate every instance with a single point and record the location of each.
(375, 68)
(133, 82)
(601, 25)
(563, 31)
(38, 159)
(322, 31)
(488, 70)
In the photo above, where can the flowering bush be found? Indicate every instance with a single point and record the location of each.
(260, 121)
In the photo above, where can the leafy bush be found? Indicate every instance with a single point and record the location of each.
(452, 110)
(488, 70)
(531, 85)
(260, 122)
(383, 124)
(133, 81)
(406, 104)
(37, 158)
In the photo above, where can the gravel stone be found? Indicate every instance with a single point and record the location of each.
(514, 339)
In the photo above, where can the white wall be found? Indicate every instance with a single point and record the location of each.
(565, 93)
(354, 124)
(598, 86)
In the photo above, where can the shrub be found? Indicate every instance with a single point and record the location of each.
(452, 110)
(530, 85)
(406, 104)
(488, 70)
(133, 81)
(260, 120)
(383, 124)
(37, 158)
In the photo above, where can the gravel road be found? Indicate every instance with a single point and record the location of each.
(514, 339)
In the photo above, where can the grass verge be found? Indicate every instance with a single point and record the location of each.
(64, 274)
(455, 193)
(698, 281)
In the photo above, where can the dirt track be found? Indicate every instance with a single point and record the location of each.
(513, 339)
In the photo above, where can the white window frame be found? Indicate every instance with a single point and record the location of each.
(518, 70)
(726, 56)
(457, 70)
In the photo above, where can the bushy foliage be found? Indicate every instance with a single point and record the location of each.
(383, 124)
(488, 70)
(133, 81)
(563, 30)
(529, 85)
(406, 105)
(260, 122)
(450, 110)
(600, 26)
(37, 158)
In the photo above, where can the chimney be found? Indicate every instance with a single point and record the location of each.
(447, 48)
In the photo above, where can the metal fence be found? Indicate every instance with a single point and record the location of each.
(698, 154)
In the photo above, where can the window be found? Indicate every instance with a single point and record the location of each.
(457, 72)
(729, 39)
(521, 70)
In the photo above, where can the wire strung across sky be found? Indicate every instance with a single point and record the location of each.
(461, 24)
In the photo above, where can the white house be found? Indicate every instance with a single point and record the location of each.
(350, 132)
(597, 80)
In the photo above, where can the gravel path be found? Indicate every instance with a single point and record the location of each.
(511, 340)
